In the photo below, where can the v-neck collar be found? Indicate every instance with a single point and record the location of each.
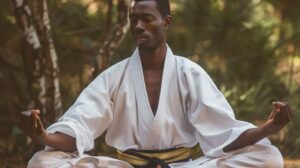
(145, 112)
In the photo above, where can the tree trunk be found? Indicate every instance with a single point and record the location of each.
(113, 37)
(40, 59)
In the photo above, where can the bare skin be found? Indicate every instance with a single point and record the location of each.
(153, 72)
(152, 51)
(153, 58)
(56, 140)
(153, 84)
(280, 116)
(148, 28)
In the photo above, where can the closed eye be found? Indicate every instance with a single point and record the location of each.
(148, 17)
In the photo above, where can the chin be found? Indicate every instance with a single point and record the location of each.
(148, 48)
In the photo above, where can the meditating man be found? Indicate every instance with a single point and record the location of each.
(155, 106)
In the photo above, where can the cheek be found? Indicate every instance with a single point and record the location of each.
(159, 34)
(157, 31)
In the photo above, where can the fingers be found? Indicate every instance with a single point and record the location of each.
(275, 110)
(35, 112)
(37, 132)
(277, 105)
(34, 121)
(40, 124)
(277, 118)
(289, 110)
(34, 115)
(272, 115)
(32, 128)
(283, 113)
(286, 112)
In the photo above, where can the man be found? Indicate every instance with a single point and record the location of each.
(155, 106)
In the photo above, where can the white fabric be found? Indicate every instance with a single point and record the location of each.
(247, 157)
(191, 110)
(59, 159)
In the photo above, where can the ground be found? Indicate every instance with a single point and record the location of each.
(292, 163)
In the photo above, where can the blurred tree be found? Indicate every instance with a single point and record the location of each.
(245, 46)
(113, 35)
(40, 59)
(250, 48)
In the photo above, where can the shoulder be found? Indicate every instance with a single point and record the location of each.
(116, 68)
(111, 75)
(194, 77)
(186, 66)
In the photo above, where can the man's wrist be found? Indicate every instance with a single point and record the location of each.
(267, 130)
(44, 139)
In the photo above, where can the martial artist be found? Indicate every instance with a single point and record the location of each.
(155, 106)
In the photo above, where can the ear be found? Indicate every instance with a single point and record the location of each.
(167, 21)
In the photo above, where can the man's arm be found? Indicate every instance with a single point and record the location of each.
(56, 140)
(61, 142)
(280, 116)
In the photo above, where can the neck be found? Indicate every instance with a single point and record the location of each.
(153, 60)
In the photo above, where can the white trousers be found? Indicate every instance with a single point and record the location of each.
(247, 157)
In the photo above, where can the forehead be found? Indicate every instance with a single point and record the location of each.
(142, 7)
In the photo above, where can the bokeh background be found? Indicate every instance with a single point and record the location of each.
(50, 50)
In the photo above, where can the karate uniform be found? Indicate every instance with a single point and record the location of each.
(191, 110)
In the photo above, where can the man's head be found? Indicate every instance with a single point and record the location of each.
(149, 20)
(162, 5)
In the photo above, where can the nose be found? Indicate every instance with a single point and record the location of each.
(139, 27)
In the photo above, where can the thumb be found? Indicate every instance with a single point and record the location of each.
(35, 112)
(273, 113)
(276, 106)
(40, 124)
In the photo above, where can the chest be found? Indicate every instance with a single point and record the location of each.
(153, 80)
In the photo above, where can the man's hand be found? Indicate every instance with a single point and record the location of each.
(280, 116)
(36, 129)
(38, 134)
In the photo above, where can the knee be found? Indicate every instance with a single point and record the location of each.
(273, 157)
(255, 156)
(39, 159)
(44, 158)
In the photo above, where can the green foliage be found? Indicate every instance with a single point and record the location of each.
(254, 102)
(245, 45)
(242, 44)
(291, 145)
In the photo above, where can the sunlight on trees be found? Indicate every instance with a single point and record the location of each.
(251, 48)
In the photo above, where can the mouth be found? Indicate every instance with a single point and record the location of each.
(141, 38)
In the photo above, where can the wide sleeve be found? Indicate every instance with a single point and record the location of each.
(89, 116)
(211, 115)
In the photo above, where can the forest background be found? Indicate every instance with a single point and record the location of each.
(51, 50)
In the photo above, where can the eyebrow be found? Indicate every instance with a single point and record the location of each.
(142, 14)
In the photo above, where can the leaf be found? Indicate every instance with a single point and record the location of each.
(16, 131)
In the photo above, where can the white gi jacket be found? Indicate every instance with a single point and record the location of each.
(191, 110)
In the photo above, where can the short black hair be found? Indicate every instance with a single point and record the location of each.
(162, 5)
